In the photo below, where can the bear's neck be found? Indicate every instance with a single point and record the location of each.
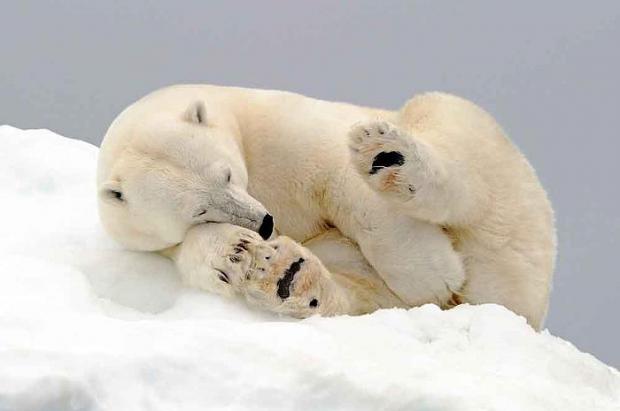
(260, 112)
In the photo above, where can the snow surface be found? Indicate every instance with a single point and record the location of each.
(85, 325)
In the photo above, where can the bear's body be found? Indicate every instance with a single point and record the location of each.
(407, 187)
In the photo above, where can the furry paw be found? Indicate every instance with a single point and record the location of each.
(279, 275)
(236, 255)
(216, 257)
(286, 278)
(387, 158)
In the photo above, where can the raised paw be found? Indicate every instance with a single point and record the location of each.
(386, 157)
(286, 278)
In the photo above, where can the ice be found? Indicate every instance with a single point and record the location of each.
(85, 325)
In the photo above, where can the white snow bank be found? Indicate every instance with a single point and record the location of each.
(85, 325)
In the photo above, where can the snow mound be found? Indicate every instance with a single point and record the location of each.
(85, 325)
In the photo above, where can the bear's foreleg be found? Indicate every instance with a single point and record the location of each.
(279, 275)
(287, 278)
(414, 258)
(214, 257)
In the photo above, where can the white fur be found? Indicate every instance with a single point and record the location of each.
(474, 223)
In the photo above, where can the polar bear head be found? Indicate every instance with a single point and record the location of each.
(165, 166)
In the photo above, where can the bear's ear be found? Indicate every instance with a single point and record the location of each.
(196, 113)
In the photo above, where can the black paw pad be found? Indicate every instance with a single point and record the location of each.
(284, 283)
(387, 159)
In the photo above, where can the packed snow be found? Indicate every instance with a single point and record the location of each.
(85, 325)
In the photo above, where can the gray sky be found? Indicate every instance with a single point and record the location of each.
(548, 71)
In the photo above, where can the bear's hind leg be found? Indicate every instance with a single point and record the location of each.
(410, 173)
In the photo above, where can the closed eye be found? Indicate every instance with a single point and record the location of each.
(115, 195)
(200, 213)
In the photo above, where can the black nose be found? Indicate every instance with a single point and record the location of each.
(266, 227)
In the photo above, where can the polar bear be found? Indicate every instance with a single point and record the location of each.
(372, 208)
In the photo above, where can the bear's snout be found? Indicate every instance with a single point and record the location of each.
(266, 227)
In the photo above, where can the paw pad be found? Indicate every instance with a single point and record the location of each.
(284, 284)
(386, 159)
